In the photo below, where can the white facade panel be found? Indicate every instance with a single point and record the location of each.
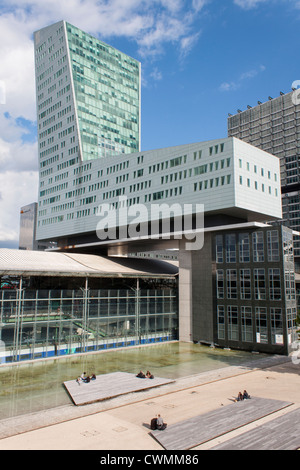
(202, 173)
(257, 180)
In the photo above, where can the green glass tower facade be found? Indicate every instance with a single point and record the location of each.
(88, 98)
(107, 93)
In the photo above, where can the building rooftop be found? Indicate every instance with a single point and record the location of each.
(40, 263)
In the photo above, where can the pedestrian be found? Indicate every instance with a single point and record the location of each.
(160, 423)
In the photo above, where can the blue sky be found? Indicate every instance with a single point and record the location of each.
(201, 59)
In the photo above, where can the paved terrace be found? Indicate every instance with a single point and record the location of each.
(122, 423)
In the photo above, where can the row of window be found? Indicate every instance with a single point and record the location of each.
(212, 183)
(238, 284)
(256, 186)
(232, 248)
(239, 324)
(255, 168)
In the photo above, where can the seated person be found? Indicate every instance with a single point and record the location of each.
(160, 423)
(240, 397)
(149, 375)
(141, 375)
(246, 395)
(93, 377)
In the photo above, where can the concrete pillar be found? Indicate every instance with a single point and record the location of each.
(196, 298)
(185, 295)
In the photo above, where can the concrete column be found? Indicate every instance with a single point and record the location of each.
(196, 302)
(185, 295)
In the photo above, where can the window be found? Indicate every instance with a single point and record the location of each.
(175, 162)
(231, 283)
(291, 320)
(233, 324)
(247, 324)
(273, 245)
(274, 284)
(261, 325)
(230, 247)
(200, 170)
(245, 283)
(244, 247)
(221, 322)
(220, 284)
(219, 249)
(290, 293)
(276, 326)
(258, 246)
(259, 284)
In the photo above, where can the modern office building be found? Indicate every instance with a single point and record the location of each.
(243, 288)
(234, 181)
(88, 98)
(99, 194)
(274, 126)
(27, 233)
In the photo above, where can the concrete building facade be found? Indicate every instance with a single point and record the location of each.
(274, 126)
(230, 178)
(242, 289)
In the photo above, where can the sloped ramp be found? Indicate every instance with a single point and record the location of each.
(195, 431)
(108, 386)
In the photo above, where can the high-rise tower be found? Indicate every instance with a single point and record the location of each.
(88, 108)
(88, 95)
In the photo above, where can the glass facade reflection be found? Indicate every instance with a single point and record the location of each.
(107, 92)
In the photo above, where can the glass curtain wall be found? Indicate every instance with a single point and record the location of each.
(52, 322)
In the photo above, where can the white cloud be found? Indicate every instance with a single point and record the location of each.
(249, 4)
(17, 190)
(156, 74)
(187, 43)
(234, 85)
(152, 24)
